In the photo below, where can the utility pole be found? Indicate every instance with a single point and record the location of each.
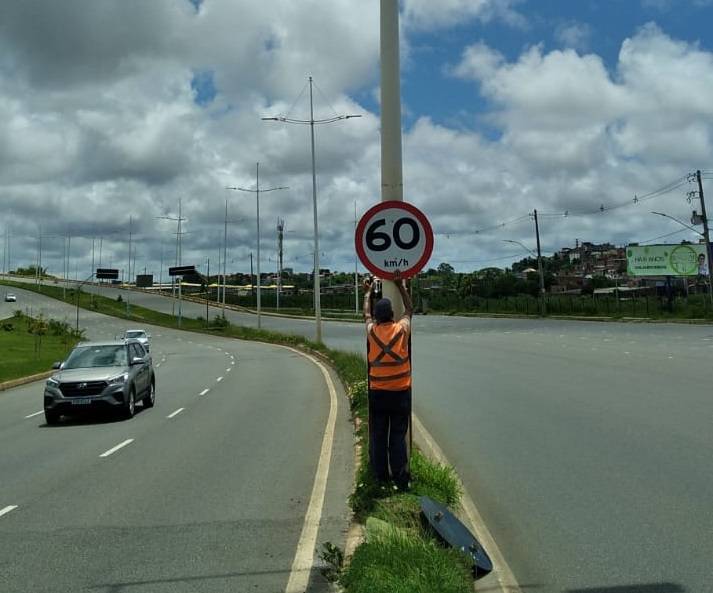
(225, 253)
(128, 275)
(252, 284)
(706, 234)
(539, 267)
(280, 234)
(207, 292)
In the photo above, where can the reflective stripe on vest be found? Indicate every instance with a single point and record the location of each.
(389, 364)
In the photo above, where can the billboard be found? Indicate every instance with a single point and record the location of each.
(144, 280)
(666, 260)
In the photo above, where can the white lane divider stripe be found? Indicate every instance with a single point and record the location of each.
(303, 561)
(204, 391)
(35, 414)
(219, 379)
(7, 509)
(158, 364)
(228, 369)
(115, 449)
(176, 413)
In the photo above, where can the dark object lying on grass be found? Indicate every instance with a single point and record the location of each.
(453, 533)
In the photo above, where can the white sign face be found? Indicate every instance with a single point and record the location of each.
(394, 236)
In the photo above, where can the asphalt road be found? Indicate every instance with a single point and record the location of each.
(587, 446)
(208, 492)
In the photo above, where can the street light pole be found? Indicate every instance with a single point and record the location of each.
(257, 191)
(312, 122)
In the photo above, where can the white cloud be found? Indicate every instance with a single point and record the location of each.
(429, 15)
(574, 35)
(98, 121)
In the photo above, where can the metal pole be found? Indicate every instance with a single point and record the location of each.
(539, 266)
(706, 235)
(257, 204)
(207, 292)
(225, 251)
(356, 268)
(128, 275)
(180, 278)
(317, 296)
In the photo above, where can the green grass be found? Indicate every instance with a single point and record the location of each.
(404, 561)
(401, 562)
(24, 353)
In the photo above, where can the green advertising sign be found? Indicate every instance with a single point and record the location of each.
(666, 260)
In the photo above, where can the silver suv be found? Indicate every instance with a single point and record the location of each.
(101, 375)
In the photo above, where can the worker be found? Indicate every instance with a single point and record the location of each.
(389, 362)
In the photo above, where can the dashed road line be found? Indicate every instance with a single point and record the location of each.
(219, 379)
(176, 413)
(115, 449)
(7, 509)
(206, 390)
(228, 369)
(35, 414)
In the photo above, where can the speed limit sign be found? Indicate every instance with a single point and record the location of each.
(394, 236)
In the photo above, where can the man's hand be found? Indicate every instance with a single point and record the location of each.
(367, 285)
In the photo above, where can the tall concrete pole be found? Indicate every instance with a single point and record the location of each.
(392, 187)
(257, 219)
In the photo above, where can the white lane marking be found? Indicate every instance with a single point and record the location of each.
(158, 364)
(115, 449)
(303, 561)
(504, 575)
(35, 414)
(7, 509)
(204, 391)
(176, 413)
(219, 379)
(232, 361)
(228, 369)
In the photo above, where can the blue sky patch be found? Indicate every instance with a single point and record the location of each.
(203, 86)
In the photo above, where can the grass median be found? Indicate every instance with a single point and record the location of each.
(30, 345)
(399, 554)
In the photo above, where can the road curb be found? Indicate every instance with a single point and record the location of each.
(505, 581)
(24, 380)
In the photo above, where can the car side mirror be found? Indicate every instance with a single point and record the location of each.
(137, 360)
(56, 366)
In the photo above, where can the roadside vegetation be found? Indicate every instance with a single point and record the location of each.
(399, 554)
(30, 345)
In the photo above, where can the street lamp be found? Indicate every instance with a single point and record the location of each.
(311, 122)
(255, 191)
(540, 270)
(179, 219)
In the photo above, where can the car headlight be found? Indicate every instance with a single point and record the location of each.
(52, 382)
(120, 380)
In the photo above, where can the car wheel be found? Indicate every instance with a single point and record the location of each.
(130, 405)
(150, 398)
(51, 417)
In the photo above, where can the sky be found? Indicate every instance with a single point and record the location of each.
(593, 112)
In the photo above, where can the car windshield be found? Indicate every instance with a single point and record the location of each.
(135, 334)
(97, 356)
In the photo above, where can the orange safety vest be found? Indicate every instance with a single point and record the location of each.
(389, 364)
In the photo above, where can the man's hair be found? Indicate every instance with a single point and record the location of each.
(383, 311)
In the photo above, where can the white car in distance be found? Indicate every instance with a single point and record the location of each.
(139, 334)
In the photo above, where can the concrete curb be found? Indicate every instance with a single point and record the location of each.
(25, 380)
(502, 578)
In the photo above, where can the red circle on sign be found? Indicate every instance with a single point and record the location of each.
(411, 209)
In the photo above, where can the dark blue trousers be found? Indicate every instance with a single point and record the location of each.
(389, 414)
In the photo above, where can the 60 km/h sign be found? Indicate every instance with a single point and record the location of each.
(394, 236)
